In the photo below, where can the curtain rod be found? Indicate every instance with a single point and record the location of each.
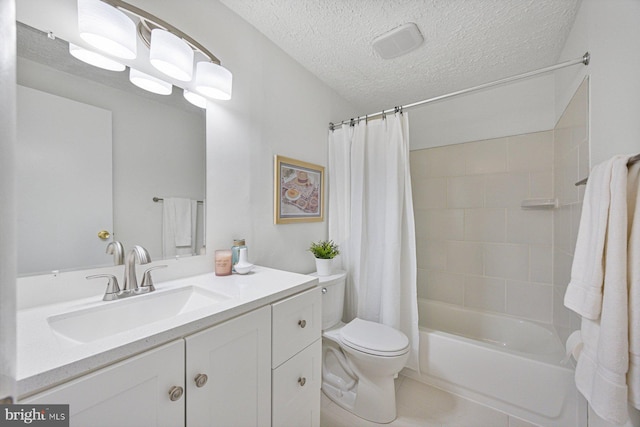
(585, 59)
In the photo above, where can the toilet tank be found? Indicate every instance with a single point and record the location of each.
(332, 298)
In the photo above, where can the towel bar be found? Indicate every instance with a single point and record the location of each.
(160, 199)
(631, 161)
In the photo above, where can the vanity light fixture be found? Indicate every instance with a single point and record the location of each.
(107, 28)
(213, 80)
(195, 99)
(149, 83)
(106, 25)
(171, 55)
(95, 59)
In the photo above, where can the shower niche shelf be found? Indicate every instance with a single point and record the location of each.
(539, 204)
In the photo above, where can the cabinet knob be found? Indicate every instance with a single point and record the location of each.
(175, 393)
(201, 380)
(302, 323)
(302, 381)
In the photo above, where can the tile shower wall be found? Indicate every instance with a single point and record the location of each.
(571, 164)
(476, 246)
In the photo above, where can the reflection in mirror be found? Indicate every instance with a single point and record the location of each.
(93, 152)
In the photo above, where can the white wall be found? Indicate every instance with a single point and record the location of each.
(7, 206)
(521, 107)
(610, 31)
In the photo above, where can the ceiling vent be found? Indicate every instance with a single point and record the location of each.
(398, 41)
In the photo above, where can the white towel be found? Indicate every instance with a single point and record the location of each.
(633, 200)
(177, 226)
(584, 293)
(202, 223)
(603, 364)
(182, 221)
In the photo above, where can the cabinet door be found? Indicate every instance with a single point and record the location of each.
(236, 358)
(132, 393)
(296, 389)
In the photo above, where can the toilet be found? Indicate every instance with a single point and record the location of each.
(360, 359)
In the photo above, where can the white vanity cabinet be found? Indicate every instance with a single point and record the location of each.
(257, 369)
(296, 360)
(235, 357)
(224, 380)
(131, 393)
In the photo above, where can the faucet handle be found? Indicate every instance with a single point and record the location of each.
(112, 287)
(147, 282)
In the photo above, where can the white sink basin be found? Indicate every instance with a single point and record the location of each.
(102, 321)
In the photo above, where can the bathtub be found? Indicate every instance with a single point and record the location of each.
(512, 365)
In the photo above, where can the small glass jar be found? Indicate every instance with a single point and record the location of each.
(235, 251)
(223, 262)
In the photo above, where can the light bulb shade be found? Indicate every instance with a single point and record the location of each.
(149, 83)
(171, 55)
(95, 59)
(213, 80)
(107, 28)
(195, 99)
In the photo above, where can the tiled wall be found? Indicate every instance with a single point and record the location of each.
(476, 246)
(571, 164)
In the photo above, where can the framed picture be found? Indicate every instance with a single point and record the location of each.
(298, 190)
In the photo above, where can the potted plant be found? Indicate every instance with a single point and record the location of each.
(324, 252)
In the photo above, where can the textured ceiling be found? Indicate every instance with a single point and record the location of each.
(467, 42)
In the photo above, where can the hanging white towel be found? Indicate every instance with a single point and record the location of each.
(177, 226)
(633, 200)
(601, 372)
(584, 293)
(193, 236)
(202, 223)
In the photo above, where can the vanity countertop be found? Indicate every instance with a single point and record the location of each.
(46, 358)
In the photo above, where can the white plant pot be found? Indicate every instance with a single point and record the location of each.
(324, 267)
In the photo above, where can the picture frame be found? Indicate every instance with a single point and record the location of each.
(298, 191)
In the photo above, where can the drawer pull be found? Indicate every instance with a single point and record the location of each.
(302, 323)
(302, 381)
(324, 290)
(175, 393)
(201, 380)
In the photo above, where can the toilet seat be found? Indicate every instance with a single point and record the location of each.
(374, 338)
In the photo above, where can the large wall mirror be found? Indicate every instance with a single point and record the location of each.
(93, 153)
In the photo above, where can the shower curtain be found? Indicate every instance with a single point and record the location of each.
(371, 218)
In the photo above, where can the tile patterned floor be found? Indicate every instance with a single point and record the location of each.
(420, 405)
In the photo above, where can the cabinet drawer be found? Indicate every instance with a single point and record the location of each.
(296, 389)
(296, 323)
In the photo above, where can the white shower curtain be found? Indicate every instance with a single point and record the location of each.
(371, 218)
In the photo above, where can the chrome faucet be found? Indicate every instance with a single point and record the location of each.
(130, 286)
(116, 249)
(139, 253)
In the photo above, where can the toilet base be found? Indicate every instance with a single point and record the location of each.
(344, 399)
(360, 382)
(372, 401)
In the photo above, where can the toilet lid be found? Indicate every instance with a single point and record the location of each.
(374, 338)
